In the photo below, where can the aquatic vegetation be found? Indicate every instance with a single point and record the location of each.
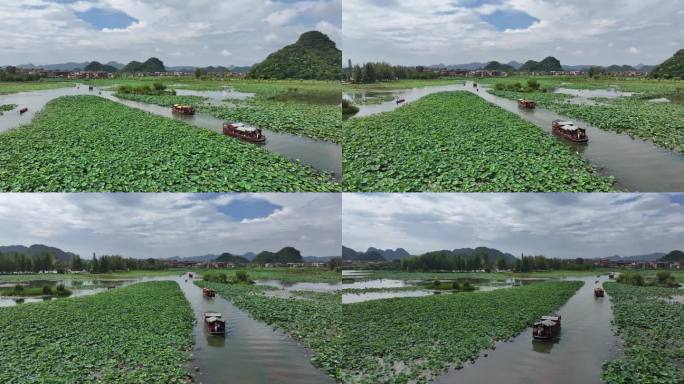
(661, 123)
(138, 334)
(315, 121)
(455, 141)
(163, 100)
(651, 327)
(304, 119)
(111, 147)
(412, 339)
(6, 107)
(315, 321)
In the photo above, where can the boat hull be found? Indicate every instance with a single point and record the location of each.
(570, 136)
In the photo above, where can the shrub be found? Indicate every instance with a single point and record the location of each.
(631, 278)
(455, 285)
(47, 290)
(215, 277)
(533, 84)
(18, 288)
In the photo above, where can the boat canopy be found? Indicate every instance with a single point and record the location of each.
(213, 314)
(548, 323)
(569, 127)
(213, 319)
(566, 123)
(552, 318)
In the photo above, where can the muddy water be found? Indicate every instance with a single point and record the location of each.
(637, 165)
(586, 341)
(350, 298)
(321, 155)
(251, 352)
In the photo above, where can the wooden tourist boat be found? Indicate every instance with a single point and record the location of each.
(547, 328)
(183, 109)
(568, 130)
(598, 292)
(23, 110)
(208, 292)
(527, 104)
(90, 88)
(190, 275)
(399, 101)
(611, 275)
(244, 132)
(214, 323)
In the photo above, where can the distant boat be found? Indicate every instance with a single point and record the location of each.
(208, 292)
(23, 110)
(183, 109)
(527, 104)
(598, 292)
(399, 101)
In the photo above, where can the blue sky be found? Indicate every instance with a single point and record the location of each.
(163, 225)
(106, 18)
(424, 32)
(179, 32)
(563, 225)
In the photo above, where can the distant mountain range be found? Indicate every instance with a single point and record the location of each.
(74, 66)
(374, 254)
(37, 249)
(247, 255)
(517, 66)
(648, 257)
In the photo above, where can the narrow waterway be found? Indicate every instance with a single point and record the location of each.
(636, 164)
(586, 341)
(320, 155)
(251, 352)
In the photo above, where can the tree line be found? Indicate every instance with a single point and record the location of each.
(446, 261)
(11, 73)
(375, 72)
(47, 262)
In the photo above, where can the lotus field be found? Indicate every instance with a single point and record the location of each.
(661, 123)
(405, 340)
(86, 143)
(455, 141)
(138, 334)
(314, 318)
(311, 112)
(652, 327)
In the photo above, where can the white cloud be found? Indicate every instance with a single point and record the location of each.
(442, 31)
(558, 225)
(633, 50)
(45, 32)
(161, 225)
(225, 53)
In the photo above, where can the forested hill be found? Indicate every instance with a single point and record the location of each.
(313, 57)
